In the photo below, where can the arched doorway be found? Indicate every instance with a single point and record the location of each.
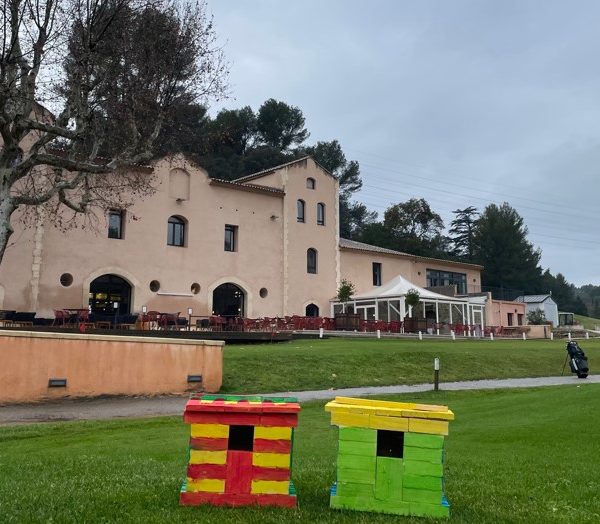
(312, 310)
(108, 289)
(228, 300)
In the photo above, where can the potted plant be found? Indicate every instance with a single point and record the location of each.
(344, 320)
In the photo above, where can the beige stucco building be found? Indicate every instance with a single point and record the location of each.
(264, 245)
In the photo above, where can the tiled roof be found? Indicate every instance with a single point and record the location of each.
(361, 246)
(280, 166)
(532, 299)
(247, 187)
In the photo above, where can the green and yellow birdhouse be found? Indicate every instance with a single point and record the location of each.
(390, 457)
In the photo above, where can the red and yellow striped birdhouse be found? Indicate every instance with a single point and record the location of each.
(240, 451)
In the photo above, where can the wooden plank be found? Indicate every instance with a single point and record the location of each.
(436, 427)
(422, 495)
(359, 476)
(216, 499)
(273, 432)
(209, 430)
(422, 482)
(206, 485)
(375, 403)
(227, 419)
(413, 467)
(239, 471)
(424, 454)
(271, 460)
(357, 462)
(210, 444)
(358, 434)
(207, 471)
(272, 446)
(270, 487)
(422, 440)
(277, 419)
(207, 457)
(260, 473)
(437, 415)
(350, 447)
(389, 472)
(354, 489)
(392, 423)
(346, 419)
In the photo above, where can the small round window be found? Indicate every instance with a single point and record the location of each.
(154, 286)
(66, 279)
(195, 288)
(263, 292)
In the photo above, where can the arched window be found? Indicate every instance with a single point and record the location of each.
(311, 260)
(176, 231)
(320, 214)
(300, 205)
(312, 310)
(310, 183)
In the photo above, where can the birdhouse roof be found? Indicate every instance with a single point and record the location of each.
(241, 404)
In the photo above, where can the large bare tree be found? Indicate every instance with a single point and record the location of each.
(85, 87)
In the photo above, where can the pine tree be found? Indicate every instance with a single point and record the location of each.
(500, 244)
(462, 229)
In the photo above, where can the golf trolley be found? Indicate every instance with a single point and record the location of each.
(578, 362)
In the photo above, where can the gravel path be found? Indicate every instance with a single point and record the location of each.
(115, 407)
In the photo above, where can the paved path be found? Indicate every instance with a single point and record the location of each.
(114, 407)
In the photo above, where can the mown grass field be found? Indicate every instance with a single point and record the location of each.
(528, 456)
(587, 322)
(338, 363)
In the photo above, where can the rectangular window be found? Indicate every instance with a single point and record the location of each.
(115, 223)
(520, 319)
(230, 237)
(376, 273)
(510, 319)
(446, 278)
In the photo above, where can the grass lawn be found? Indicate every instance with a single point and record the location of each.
(587, 322)
(337, 363)
(513, 455)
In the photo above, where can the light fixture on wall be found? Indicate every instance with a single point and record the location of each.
(274, 217)
(144, 309)
(179, 200)
(190, 311)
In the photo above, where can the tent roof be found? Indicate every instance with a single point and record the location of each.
(399, 286)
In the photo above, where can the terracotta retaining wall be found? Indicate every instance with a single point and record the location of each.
(104, 365)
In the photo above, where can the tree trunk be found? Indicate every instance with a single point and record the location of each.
(7, 207)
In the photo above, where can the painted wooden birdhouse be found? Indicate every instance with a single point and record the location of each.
(240, 451)
(390, 457)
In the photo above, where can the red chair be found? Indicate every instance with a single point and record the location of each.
(61, 318)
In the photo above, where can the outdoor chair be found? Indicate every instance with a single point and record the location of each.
(6, 317)
(23, 318)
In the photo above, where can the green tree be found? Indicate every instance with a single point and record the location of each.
(536, 317)
(462, 229)
(355, 219)
(415, 228)
(280, 125)
(331, 156)
(501, 246)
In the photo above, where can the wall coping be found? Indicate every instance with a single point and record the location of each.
(112, 338)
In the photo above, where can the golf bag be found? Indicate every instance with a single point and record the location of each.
(578, 362)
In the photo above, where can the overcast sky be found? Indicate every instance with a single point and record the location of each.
(460, 102)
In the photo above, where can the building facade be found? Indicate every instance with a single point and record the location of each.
(263, 245)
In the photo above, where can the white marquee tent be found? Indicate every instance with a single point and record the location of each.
(387, 303)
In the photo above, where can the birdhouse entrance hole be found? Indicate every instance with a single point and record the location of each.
(241, 438)
(390, 443)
